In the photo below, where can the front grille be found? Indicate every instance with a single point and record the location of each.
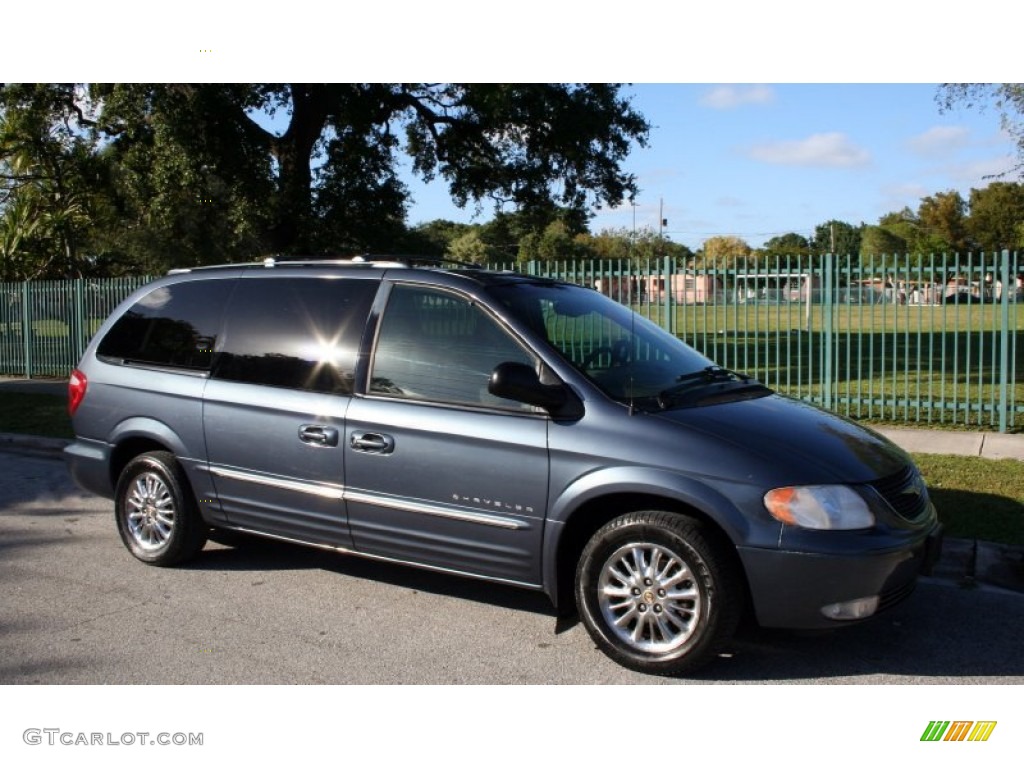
(905, 492)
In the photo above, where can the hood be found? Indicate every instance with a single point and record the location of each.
(804, 442)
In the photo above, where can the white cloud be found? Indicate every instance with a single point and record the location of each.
(939, 140)
(822, 150)
(732, 96)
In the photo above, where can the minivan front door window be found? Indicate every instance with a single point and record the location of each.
(438, 346)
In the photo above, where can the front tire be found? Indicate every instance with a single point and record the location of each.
(156, 512)
(657, 593)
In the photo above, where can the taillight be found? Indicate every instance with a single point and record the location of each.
(77, 385)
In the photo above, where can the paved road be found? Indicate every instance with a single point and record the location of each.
(75, 607)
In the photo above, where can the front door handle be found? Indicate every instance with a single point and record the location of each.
(318, 434)
(372, 442)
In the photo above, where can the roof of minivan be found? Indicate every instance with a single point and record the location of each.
(437, 265)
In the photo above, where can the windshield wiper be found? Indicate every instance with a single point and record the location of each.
(708, 375)
(688, 389)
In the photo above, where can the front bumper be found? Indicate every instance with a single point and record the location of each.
(790, 589)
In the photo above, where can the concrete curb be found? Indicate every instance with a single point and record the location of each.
(972, 563)
(45, 446)
(987, 445)
(997, 446)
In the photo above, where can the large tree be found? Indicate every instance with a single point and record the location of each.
(942, 218)
(880, 241)
(49, 182)
(725, 251)
(838, 237)
(432, 238)
(790, 244)
(316, 165)
(515, 235)
(996, 214)
(554, 243)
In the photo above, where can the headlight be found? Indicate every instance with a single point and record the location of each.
(824, 507)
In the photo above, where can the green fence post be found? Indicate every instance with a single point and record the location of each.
(828, 326)
(1004, 341)
(670, 304)
(26, 328)
(78, 327)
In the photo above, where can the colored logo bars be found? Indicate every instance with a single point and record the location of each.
(958, 730)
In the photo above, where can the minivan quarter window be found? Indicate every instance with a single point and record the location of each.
(175, 326)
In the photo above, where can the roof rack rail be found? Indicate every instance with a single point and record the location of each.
(407, 260)
(441, 260)
(348, 262)
(367, 260)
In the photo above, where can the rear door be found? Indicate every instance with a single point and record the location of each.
(439, 471)
(274, 409)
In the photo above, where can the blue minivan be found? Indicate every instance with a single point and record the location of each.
(495, 425)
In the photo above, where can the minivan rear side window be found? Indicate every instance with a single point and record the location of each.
(297, 333)
(174, 326)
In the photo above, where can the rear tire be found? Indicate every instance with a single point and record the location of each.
(657, 593)
(156, 511)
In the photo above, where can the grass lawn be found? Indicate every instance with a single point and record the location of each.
(29, 414)
(976, 498)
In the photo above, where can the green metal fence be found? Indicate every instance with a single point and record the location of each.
(933, 340)
(917, 340)
(45, 325)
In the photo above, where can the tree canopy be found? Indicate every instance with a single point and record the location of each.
(117, 179)
(997, 216)
(838, 237)
(218, 172)
(47, 178)
(724, 250)
(790, 244)
(942, 220)
(325, 157)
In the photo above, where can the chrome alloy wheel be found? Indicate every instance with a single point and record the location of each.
(648, 597)
(150, 513)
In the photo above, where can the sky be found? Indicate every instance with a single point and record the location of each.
(760, 160)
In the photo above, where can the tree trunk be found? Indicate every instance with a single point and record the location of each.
(293, 151)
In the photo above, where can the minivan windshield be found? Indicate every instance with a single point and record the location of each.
(628, 357)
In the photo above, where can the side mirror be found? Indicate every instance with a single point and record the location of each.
(516, 381)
